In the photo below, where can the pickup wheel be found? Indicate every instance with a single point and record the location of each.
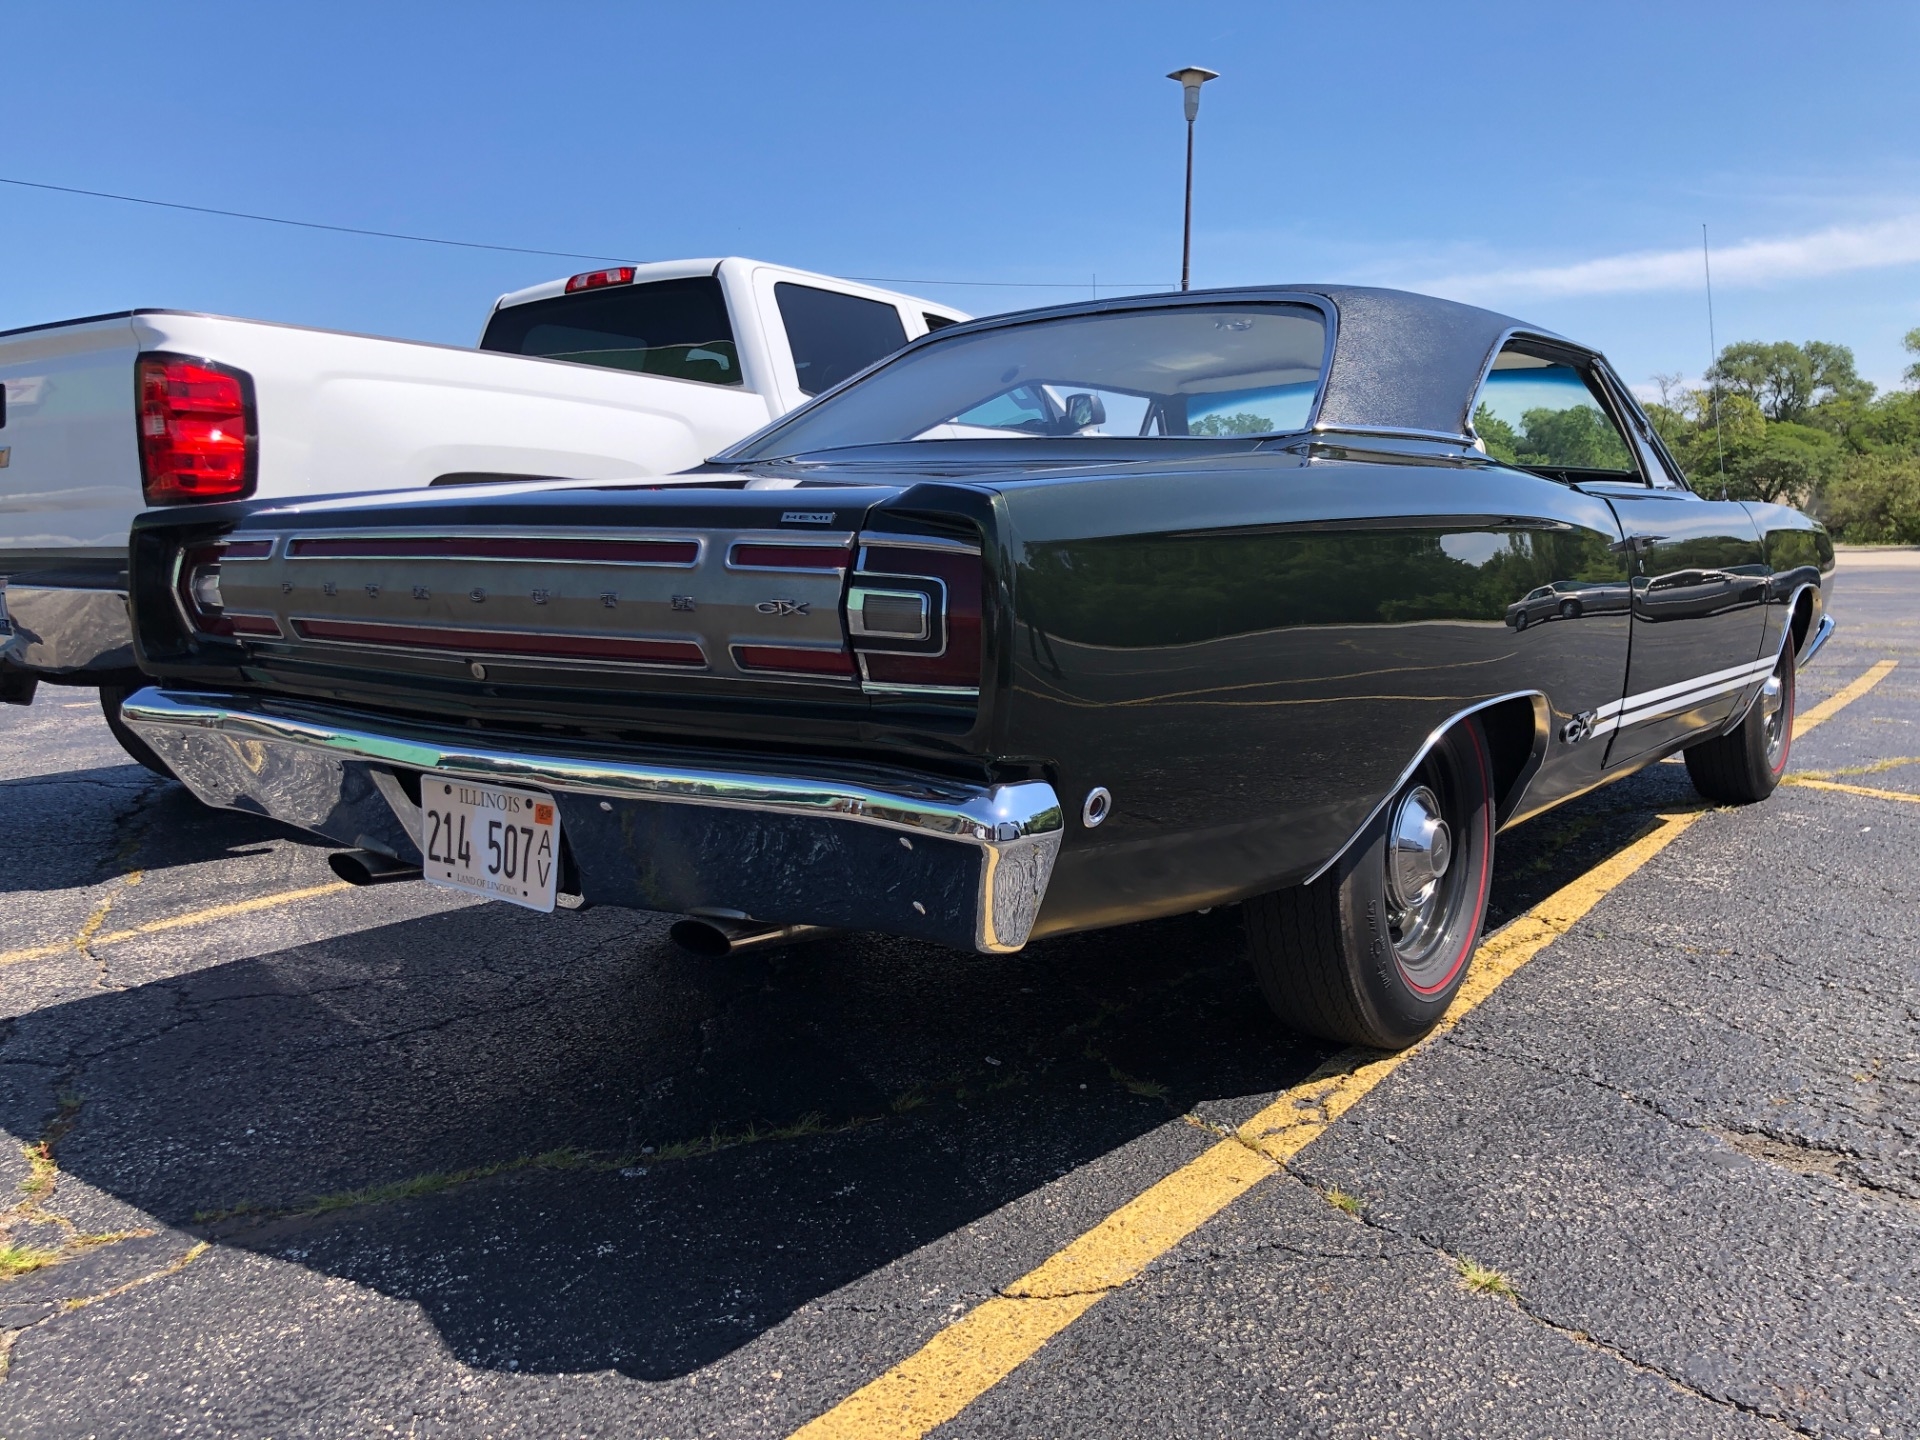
(111, 697)
(1373, 951)
(1745, 764)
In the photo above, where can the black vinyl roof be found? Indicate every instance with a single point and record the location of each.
(1401, 361)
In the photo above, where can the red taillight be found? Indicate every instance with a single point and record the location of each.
(594, 279)
(788, 557)
(935, 643)
(197, 430)
(793, 660)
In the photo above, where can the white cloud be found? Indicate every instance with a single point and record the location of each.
(1750, 262)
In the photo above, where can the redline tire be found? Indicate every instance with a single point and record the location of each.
(1744, 765)
(1341, 959)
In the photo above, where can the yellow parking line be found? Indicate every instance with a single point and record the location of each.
(1907, 796)
(171, 922)
(972, 1355)
(1835, 703)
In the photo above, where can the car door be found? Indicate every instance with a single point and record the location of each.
(1699, 581)
(1696, 576)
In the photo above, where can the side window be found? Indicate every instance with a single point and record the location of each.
(834, 335)
(1655, 459)
(1542, 414)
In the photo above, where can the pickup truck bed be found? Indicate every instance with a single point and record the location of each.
(616, 374)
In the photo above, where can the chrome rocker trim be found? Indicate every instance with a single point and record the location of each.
(782, 842)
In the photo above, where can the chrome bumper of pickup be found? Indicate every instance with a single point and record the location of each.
(66, 630)
(785, 843)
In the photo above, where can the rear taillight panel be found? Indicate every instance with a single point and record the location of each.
(913, 613)
(198, 430)
(197, 591)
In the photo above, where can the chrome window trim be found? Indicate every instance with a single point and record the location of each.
(1388, 432)
(1542, 728)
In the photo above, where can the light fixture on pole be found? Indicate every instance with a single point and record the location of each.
(1191, 79)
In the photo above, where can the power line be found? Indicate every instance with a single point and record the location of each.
(505, 249)
(301, 224)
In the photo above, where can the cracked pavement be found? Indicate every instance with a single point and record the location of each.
(390, 1161)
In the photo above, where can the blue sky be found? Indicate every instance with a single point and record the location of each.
(1555, 161)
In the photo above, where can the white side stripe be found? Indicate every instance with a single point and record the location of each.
(1672, 699)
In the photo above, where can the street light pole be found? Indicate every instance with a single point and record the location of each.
(1191, 79)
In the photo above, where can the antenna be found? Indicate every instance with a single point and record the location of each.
(1713, 346)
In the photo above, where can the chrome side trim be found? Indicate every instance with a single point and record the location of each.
(1542, 729)
(917, 542)
(303, 764)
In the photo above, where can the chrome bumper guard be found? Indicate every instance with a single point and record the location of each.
(784, 843)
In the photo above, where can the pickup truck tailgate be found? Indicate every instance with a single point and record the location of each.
(71, 477)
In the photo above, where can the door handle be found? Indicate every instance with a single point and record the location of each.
(1635, 544)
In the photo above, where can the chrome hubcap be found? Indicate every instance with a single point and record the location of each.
(1419, 850)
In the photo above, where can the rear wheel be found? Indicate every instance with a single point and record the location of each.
(1373, 951)
(1746, 763)
(111, 697)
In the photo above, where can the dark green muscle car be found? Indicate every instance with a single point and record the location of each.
(1288, 598)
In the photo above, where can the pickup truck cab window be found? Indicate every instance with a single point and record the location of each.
(676, 328)
(834, 335)
(1202, 370)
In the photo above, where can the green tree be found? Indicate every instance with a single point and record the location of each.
(1912, 343)
(1241, 422)
(1786, 380)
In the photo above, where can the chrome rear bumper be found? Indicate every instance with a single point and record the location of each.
(781, 842)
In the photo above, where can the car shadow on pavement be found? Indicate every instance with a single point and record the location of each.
(80, 827)
(577, 1148)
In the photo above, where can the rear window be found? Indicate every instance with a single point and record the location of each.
(676, 328)
(834, 335)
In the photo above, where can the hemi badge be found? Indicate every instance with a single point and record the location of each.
(6, 456)
(806, 517)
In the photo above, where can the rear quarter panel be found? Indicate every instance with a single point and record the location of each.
(1249, 654)
(1800, 555)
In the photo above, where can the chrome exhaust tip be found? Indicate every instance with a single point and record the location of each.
(369, 867)
(711, 937)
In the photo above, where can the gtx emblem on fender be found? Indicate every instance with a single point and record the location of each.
(783, 607)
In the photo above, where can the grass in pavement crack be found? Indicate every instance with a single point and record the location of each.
(434, 1182)
(1484, 1279)
(35, 1193)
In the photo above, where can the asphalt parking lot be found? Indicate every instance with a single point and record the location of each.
(286, 1158)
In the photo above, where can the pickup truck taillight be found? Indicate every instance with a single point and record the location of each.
(913, 614)
(199, 435)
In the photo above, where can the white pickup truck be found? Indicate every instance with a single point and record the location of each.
(620, 373)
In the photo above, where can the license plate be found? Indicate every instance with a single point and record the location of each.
(488, 840)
